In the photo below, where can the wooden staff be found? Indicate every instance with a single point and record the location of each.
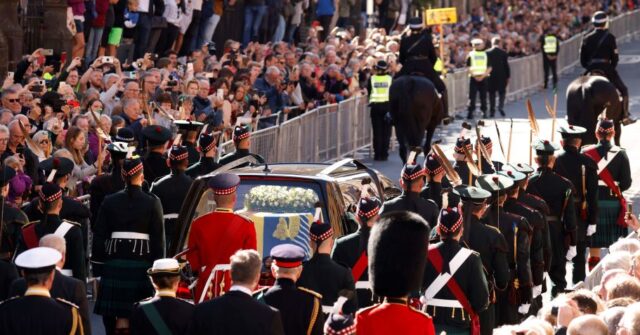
(483, 151)
(530, 146)
(162, 111)
(553, 118)
(99, 163)
(145, 109)
(509, 147)
(451, 173)
(499, 139)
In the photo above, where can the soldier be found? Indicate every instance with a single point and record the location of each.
(479, 70)
(516, 299)
(456, 301)
(556, 191)
(242, 142)
(215, 236)
(614, 177)
(435, 176)
(418, 55)
(50, 200)
(300, 308)
(12, 219)
(412, 181)
(486, 167)
(172, 190)
(550, 45)
(599, 52)
(460, 164)
(128, 237)
(163, 313)
(125, 135)
(54, 316)
(537, 222)
(489, 243)
(322, 274)
(582, 172)
(108, 183)
(378, 88)
(208, 148)
(155, 160)
(190, 130)
(351, 250)
(395, 272)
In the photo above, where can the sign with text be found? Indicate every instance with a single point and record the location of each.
(441, 16)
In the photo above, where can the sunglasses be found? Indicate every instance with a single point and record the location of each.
(13, 100)
(44, 142)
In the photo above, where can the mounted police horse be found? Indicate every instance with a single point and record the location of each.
(587, 97)
(416, 108)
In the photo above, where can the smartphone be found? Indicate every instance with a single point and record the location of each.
(63, 57)
(629, 210)
(10, 75)
(208, 75)
(47, 52)
(42, 82)
(20, 149)
(189, 67)
(220, 93)
(107, 59)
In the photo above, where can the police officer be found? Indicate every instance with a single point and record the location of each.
(583, 174)
(557, 192)
(189, 131)
(378, 88)
(599, 52)
(242, 142)
(155, 160)
(208, 148)
(412, 182)
(163, 312)
(435, 175)
(351, 250)
(36, 312)
(394, 273)
(500, 75)
(172, 190)
(537, 222)
(322, 274)
(479, 69)
(516, 299)
(50, 201)
(300, 308)
(454, 311)
(12, 219)
(613, 179)
(489, 243)
(418, 55)
(128, 237)
(550, 45)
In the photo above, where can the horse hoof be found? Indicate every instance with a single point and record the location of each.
(446, 121)
(627, 121)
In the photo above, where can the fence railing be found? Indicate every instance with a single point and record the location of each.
(339, 130)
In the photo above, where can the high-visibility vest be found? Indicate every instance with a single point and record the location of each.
(479, 63)
(438, 66)
(550, 44)
(380, 88)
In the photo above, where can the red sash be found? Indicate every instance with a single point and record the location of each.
(360, 266)
(30, 237)
(607, 178)
(436, 259)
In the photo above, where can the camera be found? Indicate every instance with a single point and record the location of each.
(172, 83)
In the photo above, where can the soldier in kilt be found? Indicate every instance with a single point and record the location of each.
(128, 237)
(613, 179)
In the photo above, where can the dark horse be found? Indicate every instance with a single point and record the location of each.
(416, 108)
(587, 97)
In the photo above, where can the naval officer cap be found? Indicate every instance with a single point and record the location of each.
(471, 194)
(287, 255)
(571, 131)
(224, 183)
(494, 183)
(545, 148)
(39, 259)
(165, 266)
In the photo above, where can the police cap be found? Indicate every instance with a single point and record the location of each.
(124, 135)
(415, 23)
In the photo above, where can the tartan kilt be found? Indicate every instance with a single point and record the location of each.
(607, 230)
(123, 283)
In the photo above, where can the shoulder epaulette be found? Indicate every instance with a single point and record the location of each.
(413, 309)
(314, 293)
(244, 217)
(72, 222)
(185, 301)
(259, 291)
(367, 309)
(29, 224)
(67, 302)
(9, 299)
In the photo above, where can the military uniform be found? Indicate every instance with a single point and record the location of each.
(240, 134)
(454, 307)
(486, 167)
(172, 189)
(378, 88)
(13, 219)
(583, 174)
(433, 189)
(8, 273)
(411, 201)
(155, 162)
(550, 44)
(206, 165)
(557, 192)
(300, 308)
(185, 128)
(460, 164)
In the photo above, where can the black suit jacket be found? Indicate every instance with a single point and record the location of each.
(500, 71)
(67, 288)
(176, 314)
(8, 273)
(236, 313)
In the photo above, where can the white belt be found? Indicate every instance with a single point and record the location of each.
(363, 285)
(171, 216)
(123, 235)
(444, 303)
(327, 309)
(66, 272)
(601, 183)
(222, 267)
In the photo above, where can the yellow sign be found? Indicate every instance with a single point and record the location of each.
(441, 16)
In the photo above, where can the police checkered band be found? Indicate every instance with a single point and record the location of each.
(179, 157)
(370, 213)
(124, 139)
(321, 237)
(453, 228)
(413, 176)
(132, 171)
(605, 130)
(225, 191)
(50, 198)
(344, 331)
(437, 170)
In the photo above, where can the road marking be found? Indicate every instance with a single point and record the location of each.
(629, 59)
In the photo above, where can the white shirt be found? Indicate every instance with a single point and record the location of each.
(196, 4)
(241, 289)
(143, 6)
